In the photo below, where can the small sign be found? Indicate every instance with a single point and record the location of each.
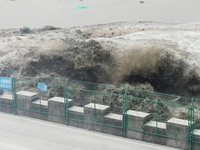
(42, 87)
(6, 83)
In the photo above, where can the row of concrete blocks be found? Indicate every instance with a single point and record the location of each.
(139, 124)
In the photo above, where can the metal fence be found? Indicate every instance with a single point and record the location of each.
(95, 95)
(77, 96)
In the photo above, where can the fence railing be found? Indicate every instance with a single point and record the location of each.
(102, 105)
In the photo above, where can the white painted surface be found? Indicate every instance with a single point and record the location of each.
(76, 109)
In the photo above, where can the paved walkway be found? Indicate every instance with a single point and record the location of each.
(21, 133)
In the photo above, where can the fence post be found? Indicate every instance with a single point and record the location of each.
(156, 116)
(191, 124)
(125, 119)
(39, 95)
(66, 100)
(95, 111)
(14, 95)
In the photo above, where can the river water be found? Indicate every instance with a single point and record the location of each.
(67, 13)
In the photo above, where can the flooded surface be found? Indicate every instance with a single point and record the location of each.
(67, 13)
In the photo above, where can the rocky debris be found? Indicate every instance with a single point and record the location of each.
(47, 28)
(25, 30)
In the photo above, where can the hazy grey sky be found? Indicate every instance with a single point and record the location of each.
(62, 13)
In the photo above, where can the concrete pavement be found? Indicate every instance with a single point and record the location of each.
(21, 133)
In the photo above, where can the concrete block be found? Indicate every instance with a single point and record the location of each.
(113, 119)
(155, 134)
(76, 113)
(6, 97)
(151, 127)
(56, 109)
(26, 95)
(149, 133)
(138, 135)
(137, 119)
(76, 123)
(112, 124)
(157, 139)
(23, 102)
(196, 139)
(39, 109)
(95, 112)
(6, 103)
(61, 100)
(40, 103)
(113, 130)
(177, 129)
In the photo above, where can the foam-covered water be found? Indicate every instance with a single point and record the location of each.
(64, 13)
